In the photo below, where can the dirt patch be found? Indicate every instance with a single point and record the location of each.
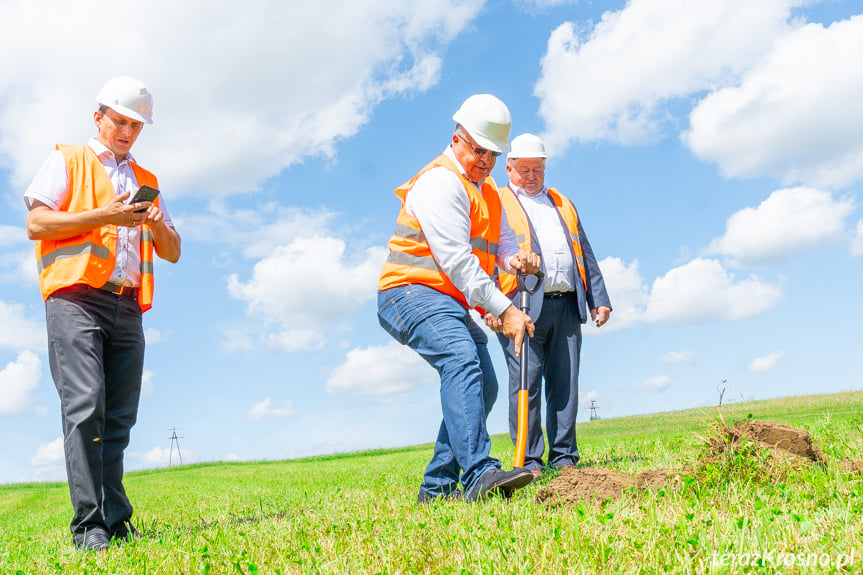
(776, 436)
(850, 466)
(658, 478)
(774, 448)
(575, 484)
(597, 485)
(789, 448)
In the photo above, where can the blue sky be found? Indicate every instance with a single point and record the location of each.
(714, 150)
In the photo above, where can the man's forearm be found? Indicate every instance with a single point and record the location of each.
(166, 241)
(43, 223)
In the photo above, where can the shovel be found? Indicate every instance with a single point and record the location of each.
(524, 294)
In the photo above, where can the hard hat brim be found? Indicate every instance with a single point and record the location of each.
(487, 143)
(129, 113)
(517, 156)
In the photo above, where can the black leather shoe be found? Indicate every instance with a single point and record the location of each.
(425, 497)
(94, 539)
(500, 482)
(126, 532)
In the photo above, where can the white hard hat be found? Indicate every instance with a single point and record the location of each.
(128, 96)
(487, 120)
(527, 146)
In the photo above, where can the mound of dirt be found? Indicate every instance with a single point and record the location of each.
(790, 448)
(584, 483)
(657, 478)
(776, 436)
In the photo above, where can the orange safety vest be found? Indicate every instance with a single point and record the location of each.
(517, 219)
(89, 258)
(410, 259)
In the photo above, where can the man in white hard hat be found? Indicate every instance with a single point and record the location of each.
(450, 234)
(545, 221)
(94, 253)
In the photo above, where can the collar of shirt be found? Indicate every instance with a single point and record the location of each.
(521, 192)
(102, 151)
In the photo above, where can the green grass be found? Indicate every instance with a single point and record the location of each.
(356, 513)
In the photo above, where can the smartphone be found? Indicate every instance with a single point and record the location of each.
(144, 194)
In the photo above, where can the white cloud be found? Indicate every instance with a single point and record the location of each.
(796, 115)
(254, 231)
(48, 453)
(766, 363)
(627, 291)
(233, 340)
(147, 385)
(380, 370)
(306, 285)
(674, 357)
(536, 5)
(702, 290)
(657, 383)
(12, 235)
(19, 332)
(19, 267)
(295, 339)
(153, 335)
(155, 457)
(857, 242)
(18, 380)
(790, 220)
(307, 92)
(592, 398)
(612, 81)
(265, 410)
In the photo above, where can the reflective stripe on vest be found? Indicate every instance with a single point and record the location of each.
(410, 260)
(517, 218)
(89, 258)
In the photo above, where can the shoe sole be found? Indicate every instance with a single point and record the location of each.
(509, 486)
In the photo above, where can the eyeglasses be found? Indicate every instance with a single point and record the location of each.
(476, 149)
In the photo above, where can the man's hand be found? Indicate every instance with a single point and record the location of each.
(600, 315)
(526, 262)
(121, 214)
(493, 322)
(514, 323)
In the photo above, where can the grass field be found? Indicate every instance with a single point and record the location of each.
(357, 513)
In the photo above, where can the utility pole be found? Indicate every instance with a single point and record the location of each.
(174, 439)
(593, 408)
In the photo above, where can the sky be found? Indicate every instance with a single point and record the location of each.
(714, 150)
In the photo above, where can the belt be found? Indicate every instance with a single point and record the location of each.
(556, 294)
(120, 289)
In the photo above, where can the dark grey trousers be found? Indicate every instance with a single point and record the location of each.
(96, 353)
(554, 356)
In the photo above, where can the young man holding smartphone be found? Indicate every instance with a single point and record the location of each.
(94, 253)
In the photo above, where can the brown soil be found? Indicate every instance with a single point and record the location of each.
(658, 478)
(588, 483)
(772, 435)
(789, 448)
(850, 466)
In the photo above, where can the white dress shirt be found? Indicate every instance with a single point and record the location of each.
(439, 202)
(553, 238)
(51, 187)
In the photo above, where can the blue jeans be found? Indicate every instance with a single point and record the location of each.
(440, 329)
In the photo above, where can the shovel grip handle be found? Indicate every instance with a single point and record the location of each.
(522, 284)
